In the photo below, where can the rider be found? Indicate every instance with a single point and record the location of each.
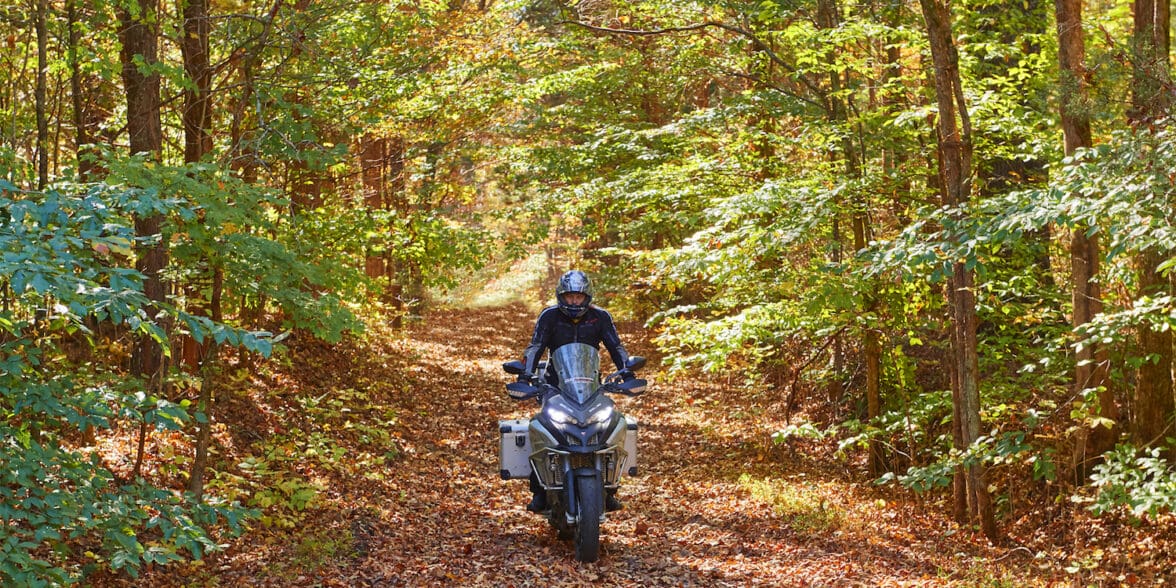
(572, 320)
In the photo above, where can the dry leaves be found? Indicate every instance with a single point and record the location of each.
(716, 505)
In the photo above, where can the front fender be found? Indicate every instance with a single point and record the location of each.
(570, 489)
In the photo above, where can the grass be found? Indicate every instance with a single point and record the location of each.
(492, 287)
(807, 510)
(315, 551)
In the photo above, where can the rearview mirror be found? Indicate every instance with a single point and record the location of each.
(513, 367)
(635, 363)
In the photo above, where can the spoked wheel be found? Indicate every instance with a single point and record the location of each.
(590, 494)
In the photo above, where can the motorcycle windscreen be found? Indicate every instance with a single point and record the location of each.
(578, 367)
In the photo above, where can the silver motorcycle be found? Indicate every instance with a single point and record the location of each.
(578, 445)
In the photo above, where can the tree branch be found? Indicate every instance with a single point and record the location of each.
(758, 43)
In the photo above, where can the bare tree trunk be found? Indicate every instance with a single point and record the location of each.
(208, 371)
(1150, 45)
(1091, 370)
(197, 115)
(75, 83)
(1154, 410)
(92, 100)
(397, 199)
(891, 158)
(955, 163)
(835, 391)
(827, 19)
(241, 153)
(140, 37)
(1154, 404)
(197, 121)
(41, 107)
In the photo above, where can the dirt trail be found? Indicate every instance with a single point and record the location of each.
(688, 520)
(715, 505)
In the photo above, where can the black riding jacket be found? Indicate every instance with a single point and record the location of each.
(554, 329)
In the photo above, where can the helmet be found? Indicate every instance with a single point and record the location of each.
(573, 281)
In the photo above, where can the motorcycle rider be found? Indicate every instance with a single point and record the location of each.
(572, 320)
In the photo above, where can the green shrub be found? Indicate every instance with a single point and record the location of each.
(1140, 481)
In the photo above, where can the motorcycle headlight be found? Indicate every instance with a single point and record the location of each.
(601, 415)
(560, 416)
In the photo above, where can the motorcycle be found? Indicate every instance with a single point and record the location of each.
(578, 444)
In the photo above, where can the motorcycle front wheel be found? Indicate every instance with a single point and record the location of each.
(590, 495)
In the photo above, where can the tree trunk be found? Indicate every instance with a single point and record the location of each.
(1149, 60)
(197, 121)
(828, 19)
(40, 98)
(835, 391)
(140, 37)
(955, 169)
(92, 98)
(1154, 404)
(891, 157)
(397, 199)
(1154, 411)
(373, 160)
(242, 157)
(835, 112)
(42, 119)
(1091, 370)
(208, 373)
(197, 115)
(75, 84)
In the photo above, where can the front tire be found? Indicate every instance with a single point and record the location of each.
(590, 495)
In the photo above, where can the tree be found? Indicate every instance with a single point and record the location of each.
(955, 168)
(43, 147)
(1092, 363)
(197, 122)
(139, 35)
(1155, 407)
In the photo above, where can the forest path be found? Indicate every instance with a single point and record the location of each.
(715, 504)
(688, 520)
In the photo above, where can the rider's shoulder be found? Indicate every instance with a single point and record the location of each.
(600, 311)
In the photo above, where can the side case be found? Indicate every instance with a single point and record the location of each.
(631, 445)
(514, 453)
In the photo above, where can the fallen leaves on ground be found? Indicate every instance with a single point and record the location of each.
(421, 504)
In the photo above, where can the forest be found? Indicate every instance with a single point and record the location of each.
(902, 271)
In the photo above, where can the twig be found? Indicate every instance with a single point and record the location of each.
(746, 33)
(1012, 551)
(796, 373)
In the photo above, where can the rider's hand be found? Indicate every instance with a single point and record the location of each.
(627, 375)
(527, 379)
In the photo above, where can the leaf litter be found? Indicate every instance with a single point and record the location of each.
(409, 493)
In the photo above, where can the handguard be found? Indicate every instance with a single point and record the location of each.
(522, 390)
(634, 387)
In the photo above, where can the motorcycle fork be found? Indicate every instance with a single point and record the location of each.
(570, 477)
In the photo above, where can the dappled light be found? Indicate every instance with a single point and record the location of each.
(711, 507)
(892, 281)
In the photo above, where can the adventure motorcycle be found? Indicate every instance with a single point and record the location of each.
(578, 444)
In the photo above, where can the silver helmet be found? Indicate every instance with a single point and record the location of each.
(573, 281)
